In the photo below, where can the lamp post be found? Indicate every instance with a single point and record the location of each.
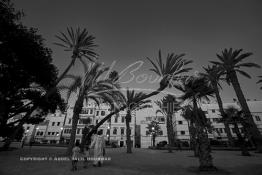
(61, 132)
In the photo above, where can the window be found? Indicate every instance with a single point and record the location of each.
(53, 133)
(57, 133)
(123, 119)
(221, 130)
(97, 113)
(58, 123)
(122, 131)
(53, 123)
(257, 118)
(116, 119)
(180, 122)
(161, 132)
(91, 111)
(42, 133)
(49, 133)
(213, 111)
(69, 121)
(115, 131)
(78, 131)
(28, 127)
(205, 112)
(233, 130)
(96, 121)
(103, 113)
(147, 133)
(182, 132)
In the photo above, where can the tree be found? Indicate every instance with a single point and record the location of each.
(154, 130)
(235, 118)
(89, 87)
(213, 74)
(195, 89)
(188, 114)
(133, 103)
(80, 43)
(22, 84)
(168, 105)
(169, 73)
(231, 63)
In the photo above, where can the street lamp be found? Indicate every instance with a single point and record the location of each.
(61, 132)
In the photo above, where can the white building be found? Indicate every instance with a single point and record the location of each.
(114, 129)
(213, 115)
(48, 131)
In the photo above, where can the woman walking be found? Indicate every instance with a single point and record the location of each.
(99, 145)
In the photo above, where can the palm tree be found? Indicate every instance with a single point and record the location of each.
(90, 86)
(231, 63)
(133, 103)
(188, 115)
(213, 74)
(260, 81)
(235, 117)
(194, 89)
(168, 110)
(169, 72)
(80, 43)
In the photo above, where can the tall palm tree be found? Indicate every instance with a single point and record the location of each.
(169, 72)
(213, 74)
(190, 117)
(88, 87)
(167, 110)
(231, 63)
(235, 118)
(80, 43)
(194, 89)
(133, 103)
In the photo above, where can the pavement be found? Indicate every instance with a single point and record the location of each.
(141, 161)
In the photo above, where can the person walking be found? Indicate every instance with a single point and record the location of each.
(75, 156)
(99, 148)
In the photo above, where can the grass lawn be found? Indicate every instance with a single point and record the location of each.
(141, 161)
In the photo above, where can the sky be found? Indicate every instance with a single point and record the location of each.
(129, 31)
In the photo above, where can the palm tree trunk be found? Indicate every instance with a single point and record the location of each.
(53, 89)
(241, 140)
(128, 133)
(223, 114)
(253, 128)
(170, 132)
(194, 144)
(205, 157)
(77, 110)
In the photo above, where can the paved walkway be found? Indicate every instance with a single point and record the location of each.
(142, 161)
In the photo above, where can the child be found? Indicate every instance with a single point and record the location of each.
(86, 156)
(75, 156)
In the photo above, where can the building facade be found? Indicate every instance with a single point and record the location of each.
(213, 115)
(57, 127)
